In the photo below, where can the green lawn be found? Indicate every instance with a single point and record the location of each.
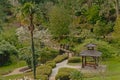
(9, 68)
(112, 72)
(113, 77)
(12, 77)
(74, 64)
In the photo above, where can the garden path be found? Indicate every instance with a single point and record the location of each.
(60, 65)
(20, 70)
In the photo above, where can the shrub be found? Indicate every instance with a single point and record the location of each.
(44, 70)
(11, 37)
(76, 75)
(25, 54)
(64, 73)
(60, 58)
(47, 54)
(6, 51)
(63, 76)
(51, 63)
(74, 60)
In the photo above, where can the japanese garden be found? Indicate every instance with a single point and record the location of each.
(59, 39)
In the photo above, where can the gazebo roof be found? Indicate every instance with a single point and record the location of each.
(94, 53)
(90, 45)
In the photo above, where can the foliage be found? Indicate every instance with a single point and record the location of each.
(47, 54)
(93, 14)
(51, 63)
(35, 1)
(74, 60)
(102, 28)
(86, 34)
(60, 58)
(5, 10)
(64, 73)
(6, 51)
(76, 75)
(23, 36)
(42, 15)
(25, 54)
(25, 12)
(44, 70)
(11, 37)
(106, 49)
(43, 77)
(116, 32)
(59, 21)
(25, 1)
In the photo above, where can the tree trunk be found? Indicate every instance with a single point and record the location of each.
(117, 7)
(32, 46)
(33, 55)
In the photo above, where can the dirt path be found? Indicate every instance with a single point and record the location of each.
(60, 65)
(20, 70)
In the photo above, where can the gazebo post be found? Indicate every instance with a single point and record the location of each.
(95, 58)
(85, 61)
(82, 61)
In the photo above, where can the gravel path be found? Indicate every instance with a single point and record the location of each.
(60, 65)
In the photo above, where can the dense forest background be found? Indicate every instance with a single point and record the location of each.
(72, 22)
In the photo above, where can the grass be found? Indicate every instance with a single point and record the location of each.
(74, 64)
(113, 77)
(9, 68)
(112, 72)
(12, 77)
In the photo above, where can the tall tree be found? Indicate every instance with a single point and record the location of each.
(27, 12)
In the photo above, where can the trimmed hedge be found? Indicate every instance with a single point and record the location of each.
(64, 73)
(60, 58)
(44, 70)
(51, 63)
(74, 60)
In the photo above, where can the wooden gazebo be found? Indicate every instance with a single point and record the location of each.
(93, 54)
